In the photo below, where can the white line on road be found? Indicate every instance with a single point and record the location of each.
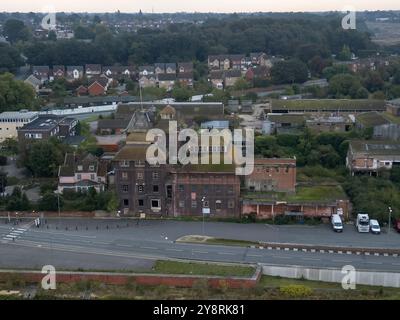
(149, 248)
(227, 253)
(374, 262)
(201, 252)
(311, 259)
(345, 261)
(254, 255)
(176, 250)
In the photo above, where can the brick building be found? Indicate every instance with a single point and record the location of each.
(271, 174)
(215, 188)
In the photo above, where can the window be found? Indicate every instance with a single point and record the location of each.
(92, 177)
(181, 188)
(156, 204)
(231, 204)
(230, 189)
(156, 189)
(125, 188)
(126, 203)
(218, 204)
(124, 175)
(194, 204)
(91, 168)
(155, 175)
(140, 189)
(181, 204)
(139, 176)
(79, 177)
(80, 168)
(139, 163)
(124, 164)
(141, 203)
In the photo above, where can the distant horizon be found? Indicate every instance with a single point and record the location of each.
(205, 6)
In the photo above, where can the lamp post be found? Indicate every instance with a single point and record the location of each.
(390, 218)
(203, 200)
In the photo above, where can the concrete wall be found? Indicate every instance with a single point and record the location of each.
(78, 111)
(384, 279)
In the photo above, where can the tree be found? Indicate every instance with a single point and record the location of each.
(241, 84)
(344, 85)
(15, 95)
(374, 81)
(181, 94)
(10, 58)
(49, 202)
(290, 71)
(43, 159)
(345, 54)
(15, 30)
(52, 36)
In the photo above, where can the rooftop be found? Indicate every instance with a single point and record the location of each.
(43, 123)
(18, 115)
(371, 119)
(372, 147)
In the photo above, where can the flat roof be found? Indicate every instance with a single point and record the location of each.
(44, 123)
(372, 147)
(18, 114)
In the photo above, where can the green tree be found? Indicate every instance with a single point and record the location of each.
(291, 71)
(345, 54)
(15, 30)
(49, 202)
(43, 159)
(15, 95)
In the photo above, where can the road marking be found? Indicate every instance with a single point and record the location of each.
(345, 261)
(201, 252)
(227, 253)
(254, 255)
(396, 264)
(374, 262)
(177, 250)
(15, 233)
(311, 259)
(123, 245)
(281, 257)
(149, 248)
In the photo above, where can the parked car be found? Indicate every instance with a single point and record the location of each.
(337, 223)
(374, 226)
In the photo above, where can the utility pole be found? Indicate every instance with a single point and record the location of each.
(390, 218)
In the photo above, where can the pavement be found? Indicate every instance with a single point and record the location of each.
(124, 245)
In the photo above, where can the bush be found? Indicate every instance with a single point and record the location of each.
(3, 161)
(296, 291)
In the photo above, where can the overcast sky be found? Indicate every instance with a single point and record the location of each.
(195, 5)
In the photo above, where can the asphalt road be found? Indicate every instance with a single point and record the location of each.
(132, 247)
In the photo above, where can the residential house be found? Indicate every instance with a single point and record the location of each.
(119, 72)
(272, 174)
(259, 59)
(371, 156)
(185, 67)
(42, 73)
(329, 123)
(98, 86)
(10, 122)
(170, 68)
(146, 71)
(74, 73)
(148, 81)
(166, 81)
(81, 91)
(81, 173)
(186, 79)
(258, 73)
(34, 82)
(217, 79)
(112, 126)
(159, 68)
(58, 72)
(93, 70)
(231, 77)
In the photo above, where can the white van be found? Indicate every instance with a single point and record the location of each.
(337, 223)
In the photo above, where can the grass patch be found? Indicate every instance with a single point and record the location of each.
(174, 267)
(321, 193)
(231, 242)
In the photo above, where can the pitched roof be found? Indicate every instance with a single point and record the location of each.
(132, 153)
(167, 77)
(168, 110)
(371, 119)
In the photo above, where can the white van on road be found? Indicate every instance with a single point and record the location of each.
(374, 226)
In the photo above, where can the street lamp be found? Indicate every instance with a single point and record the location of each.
(390, 217)
(203, 200)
